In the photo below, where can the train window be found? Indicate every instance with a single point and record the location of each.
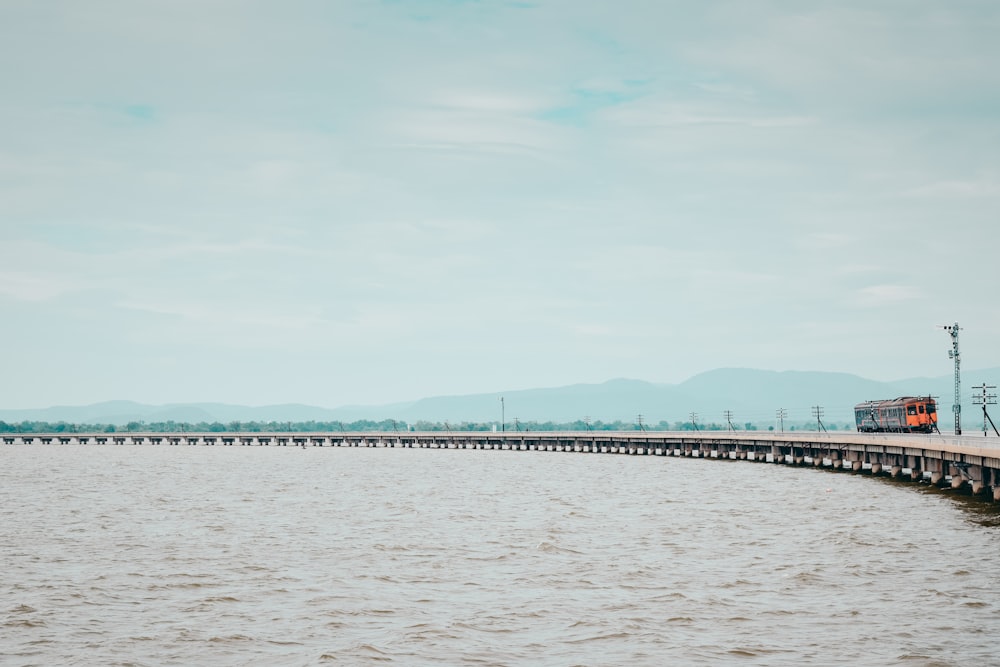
(931, 409)
(921, 407)
(911, 409)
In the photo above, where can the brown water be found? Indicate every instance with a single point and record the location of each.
(287, 556)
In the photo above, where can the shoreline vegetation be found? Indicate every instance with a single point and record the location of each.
(391, 426)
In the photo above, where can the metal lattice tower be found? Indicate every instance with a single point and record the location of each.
(953, 329)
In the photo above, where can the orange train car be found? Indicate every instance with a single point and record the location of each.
(908, 414)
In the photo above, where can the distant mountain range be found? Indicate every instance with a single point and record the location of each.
(750, 395)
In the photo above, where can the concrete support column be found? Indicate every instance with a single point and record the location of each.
(896, 471)
(937, 477)
(876, 468)
(977, 487)
(857, 466)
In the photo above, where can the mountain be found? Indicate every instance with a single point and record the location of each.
(750, 395)
(615, 399)
(759, 394)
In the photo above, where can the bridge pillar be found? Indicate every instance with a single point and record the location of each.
(977, 487)
(937, 477)
(857, 466)
(876, 468)
(896, 471)
(996, 494)
(957, 481)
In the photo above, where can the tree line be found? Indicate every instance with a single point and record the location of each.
(383, 426)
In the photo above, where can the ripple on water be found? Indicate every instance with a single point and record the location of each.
(425, 557)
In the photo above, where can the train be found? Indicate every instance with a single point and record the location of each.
(907, 414)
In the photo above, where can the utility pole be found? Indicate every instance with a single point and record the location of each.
(694, 420)
(781, 414)
(953, 329)
(503, 422)
(729, 420)
(517, 424)
(985, 399)
(818, 413)
(638, 421)
(586, 422)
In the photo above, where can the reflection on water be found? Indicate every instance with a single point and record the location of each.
(201, 555)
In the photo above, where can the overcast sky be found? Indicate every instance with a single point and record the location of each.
(365, 202)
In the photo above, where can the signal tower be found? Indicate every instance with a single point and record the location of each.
(953, 329)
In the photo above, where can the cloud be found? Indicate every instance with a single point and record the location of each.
(654, 113)
(983, 187)
(35, 286)
(852, 57)
(523, 191)
(877, 296)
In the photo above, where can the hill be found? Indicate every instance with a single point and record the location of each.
(751, 396)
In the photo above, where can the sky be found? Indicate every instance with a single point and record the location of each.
(361, 202)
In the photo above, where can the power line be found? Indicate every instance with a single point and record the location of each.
(985, 399)
(818, 413)
(729, 420)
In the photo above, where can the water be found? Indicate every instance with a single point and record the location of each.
(287, 556)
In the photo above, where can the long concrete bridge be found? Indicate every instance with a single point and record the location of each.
(963, 462)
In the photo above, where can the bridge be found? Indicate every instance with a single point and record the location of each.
(970, 463)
